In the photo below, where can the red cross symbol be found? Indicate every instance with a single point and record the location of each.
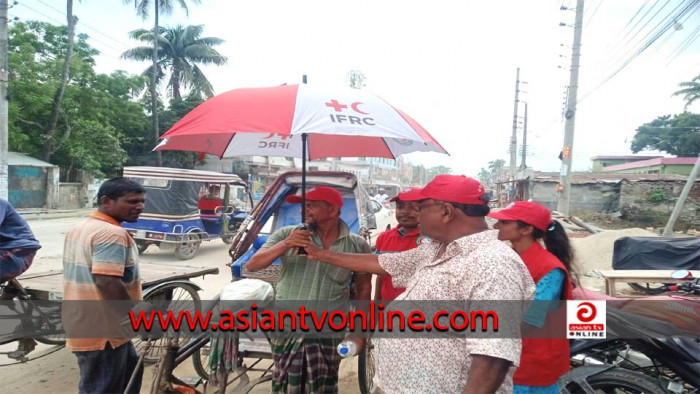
(336, 105)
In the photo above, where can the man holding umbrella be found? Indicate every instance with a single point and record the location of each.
(311, 364)
(464, 261)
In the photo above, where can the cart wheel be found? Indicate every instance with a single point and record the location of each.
(365, 368)
(188, 247)
(177, 294)
(142, 246)
(646, 288)
(200, 361)
(50, 321)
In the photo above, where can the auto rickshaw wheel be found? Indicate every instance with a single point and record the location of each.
(188, 248)
(228, 239)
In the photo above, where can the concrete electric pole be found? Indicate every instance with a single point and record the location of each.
(564, 187)
(4, 170)
(668, 230)
(514, 138)
(523, 164)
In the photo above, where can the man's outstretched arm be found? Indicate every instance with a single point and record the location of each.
(358, 262)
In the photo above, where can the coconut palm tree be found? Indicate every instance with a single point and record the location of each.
(180, 50)
(691, 91)
(50, 143)
(143, 10)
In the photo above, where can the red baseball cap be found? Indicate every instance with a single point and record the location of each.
(319, 193)
(403, 195)
(452, 188)
(531, 213)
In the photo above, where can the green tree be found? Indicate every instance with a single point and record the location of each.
(439, 170)
(177, 109)
(49, 143)
(484, 176)
(690, 91)
(181, 49)
(98, 111)
(496, 168)
(143, 10)
(678, 135)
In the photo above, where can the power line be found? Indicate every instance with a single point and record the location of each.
(659, 30)
(593, 14)
(61, 23)
(686, 43)
(86, 25)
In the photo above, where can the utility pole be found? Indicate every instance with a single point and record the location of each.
(523, 165)
(668, 230)
(4, 139)
(514, 137)
(564, 187)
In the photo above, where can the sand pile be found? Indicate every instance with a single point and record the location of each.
(595, 253)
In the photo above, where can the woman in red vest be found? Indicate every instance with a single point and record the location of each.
(524, 224)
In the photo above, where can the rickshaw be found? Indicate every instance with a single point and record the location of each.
(271, 213)
(186, 207)
(274, 212)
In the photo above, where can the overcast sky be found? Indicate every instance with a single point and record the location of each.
(451, 65)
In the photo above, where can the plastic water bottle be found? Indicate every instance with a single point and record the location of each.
(347, 349)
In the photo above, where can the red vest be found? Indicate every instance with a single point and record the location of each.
(395, 241)
(545, 359)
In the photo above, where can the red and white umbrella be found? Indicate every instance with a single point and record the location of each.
(298, 121)
(271, 121)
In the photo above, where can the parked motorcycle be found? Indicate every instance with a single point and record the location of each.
(653, 346)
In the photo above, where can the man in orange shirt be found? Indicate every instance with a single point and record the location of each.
(100, 263)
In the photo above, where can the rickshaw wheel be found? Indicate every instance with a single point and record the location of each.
(178, 294)
(228, 239)
(188, 248)
(366, 368)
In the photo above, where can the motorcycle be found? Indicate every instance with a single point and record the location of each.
(652, 346)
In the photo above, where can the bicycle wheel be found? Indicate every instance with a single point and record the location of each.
(200, 361)
(175, 293)
(619, 380)
(366, 368)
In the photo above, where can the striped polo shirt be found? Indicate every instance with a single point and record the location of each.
(99, 245)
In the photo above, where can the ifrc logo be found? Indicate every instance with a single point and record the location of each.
(585, 319)
(349, 119)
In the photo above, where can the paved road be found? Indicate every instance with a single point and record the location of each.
(57, 372)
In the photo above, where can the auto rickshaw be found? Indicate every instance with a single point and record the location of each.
(186, 207)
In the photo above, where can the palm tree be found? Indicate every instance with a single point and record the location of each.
(142, 9)
(50, 143)
(180, 49)
(691, 91)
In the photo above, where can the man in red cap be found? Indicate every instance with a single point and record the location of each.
(464, 261)
(403, 237)
(311, 364)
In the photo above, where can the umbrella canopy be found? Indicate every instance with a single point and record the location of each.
(269, 122)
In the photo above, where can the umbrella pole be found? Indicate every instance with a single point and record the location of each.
(303, 177)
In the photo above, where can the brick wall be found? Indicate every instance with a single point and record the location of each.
(635, 202)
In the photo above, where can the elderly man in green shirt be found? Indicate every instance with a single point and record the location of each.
(310, 364)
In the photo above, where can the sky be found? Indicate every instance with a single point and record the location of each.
(451, 65)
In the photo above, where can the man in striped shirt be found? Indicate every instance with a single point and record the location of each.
(100, 263)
